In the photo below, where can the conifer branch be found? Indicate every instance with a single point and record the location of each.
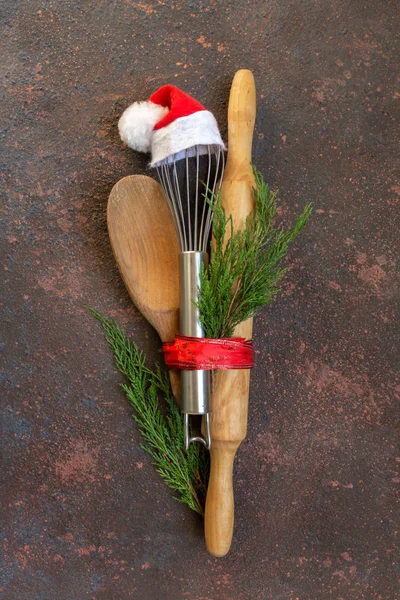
(185, 472)
(244, 271)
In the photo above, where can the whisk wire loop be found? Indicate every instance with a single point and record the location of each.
(165, 181)
(215, 190)
(178, 200)
(186, 181)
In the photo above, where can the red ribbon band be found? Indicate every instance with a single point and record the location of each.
(205, 354)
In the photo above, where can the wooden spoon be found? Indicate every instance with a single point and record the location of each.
(146, 248)
(228, 419)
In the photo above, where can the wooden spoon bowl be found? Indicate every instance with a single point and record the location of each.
(146, 248)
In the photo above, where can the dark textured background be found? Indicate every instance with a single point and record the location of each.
(84, 514)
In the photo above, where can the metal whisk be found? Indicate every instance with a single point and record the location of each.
(190, 180)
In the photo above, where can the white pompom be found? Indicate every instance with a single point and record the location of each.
(137, 122)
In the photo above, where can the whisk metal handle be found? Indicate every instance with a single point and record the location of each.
(195, 385)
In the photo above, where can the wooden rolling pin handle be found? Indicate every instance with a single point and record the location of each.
(230, 401)
(220, 499)
(241, 118)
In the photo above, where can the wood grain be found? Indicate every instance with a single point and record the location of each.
(229, 404)
(146, 248)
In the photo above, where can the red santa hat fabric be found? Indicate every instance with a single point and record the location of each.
(170, 125)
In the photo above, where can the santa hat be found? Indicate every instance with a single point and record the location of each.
(170, 124)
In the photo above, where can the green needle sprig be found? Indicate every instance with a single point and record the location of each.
(245, 270)
(185, 472)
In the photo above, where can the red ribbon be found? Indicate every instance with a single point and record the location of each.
(205, 354)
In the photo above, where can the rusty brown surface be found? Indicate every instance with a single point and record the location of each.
(83, 513)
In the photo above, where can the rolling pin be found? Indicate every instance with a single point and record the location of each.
(229, 404)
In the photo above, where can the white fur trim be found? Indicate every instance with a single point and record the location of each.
(137, 122)
(198, 129)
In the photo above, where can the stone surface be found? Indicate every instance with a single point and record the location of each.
(83, 513)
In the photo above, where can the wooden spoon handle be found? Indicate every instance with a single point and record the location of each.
(230, 401)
